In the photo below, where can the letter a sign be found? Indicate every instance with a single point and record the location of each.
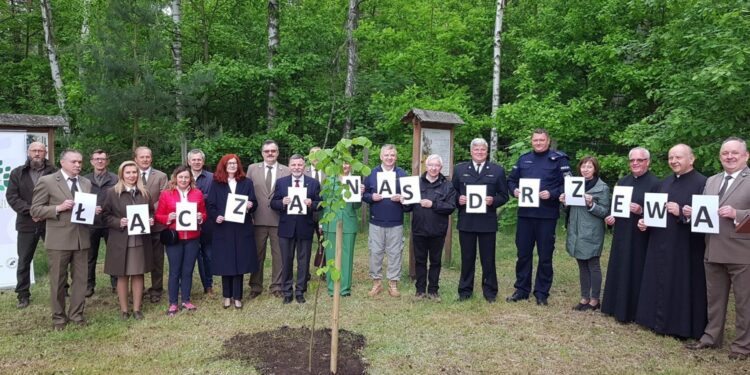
(705, 215)
(138, 220)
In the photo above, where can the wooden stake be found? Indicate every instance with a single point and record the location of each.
(336, 298)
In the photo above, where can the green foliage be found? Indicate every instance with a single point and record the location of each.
(330, 269)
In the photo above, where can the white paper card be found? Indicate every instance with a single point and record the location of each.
(187, 216)
(575, 188)
(621, 198)
(705, 215)
(355, 183)
(297, 206)
(655, 209)
(386, 184)
(236, 208)
(528, 192)
(138, 219)
(84, 208)
(475, 199)
(410, 189)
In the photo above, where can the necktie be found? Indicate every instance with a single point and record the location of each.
(479, 168)
(73, 186)
(724, 186)
(143, 178)
(296, 183)
(269, 176)
(316, 175)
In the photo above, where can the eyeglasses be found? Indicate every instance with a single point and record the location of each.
(637, 160)
(232, 163)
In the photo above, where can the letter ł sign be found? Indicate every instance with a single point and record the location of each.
(187, 216)
(236, 208)
(138, 219)
(475, 199)
(84, 208)
(575, 187)
(410, 189)
(297, 206)
(386, 184)
(354, 183)
(655, 209)
(705, 215)
(529, 192)
(621, 198)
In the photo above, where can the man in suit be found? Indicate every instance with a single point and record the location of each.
(311, 170)
(295, 231)
(479, 228)
(30, 229)
(727, 259)
(203, 180)
(67, 243)
(101, 181)
(266, 220)
(155, 181)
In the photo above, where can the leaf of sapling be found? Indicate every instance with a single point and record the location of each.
(335, 274)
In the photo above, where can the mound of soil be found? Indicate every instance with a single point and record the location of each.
(284, 351)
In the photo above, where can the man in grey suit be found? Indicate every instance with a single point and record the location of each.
(727, 257)
(67, 243)
(264, 176)
(155, 181)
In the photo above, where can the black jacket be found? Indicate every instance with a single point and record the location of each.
(109, 181)
(19, 194)
(491, 175)
(433, 221)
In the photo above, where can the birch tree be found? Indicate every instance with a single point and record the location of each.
(54, 65)
(177, 60)
(273, 45)
(496, 63)
(84, 37)
(351, 65)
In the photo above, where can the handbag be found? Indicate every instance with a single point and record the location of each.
(169, 237)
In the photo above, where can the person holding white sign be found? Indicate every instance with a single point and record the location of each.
(386, 231)
(128, 257)
(181, 255)
(478, 230)
(585, 227)
(672, 300)
(628, 250)
(233, 242)
(429, 226)
(67, 244)
(727, 259)
(536, 225)
(295, 231)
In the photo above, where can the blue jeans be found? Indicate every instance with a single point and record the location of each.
(181, 259)
(204, 262)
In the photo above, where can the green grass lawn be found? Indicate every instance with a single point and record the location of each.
(404, 336)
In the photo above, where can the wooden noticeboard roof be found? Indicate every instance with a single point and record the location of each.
(10, 120)
(432, 117)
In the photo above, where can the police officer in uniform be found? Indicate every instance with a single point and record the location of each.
(537, 225)
(475, 228)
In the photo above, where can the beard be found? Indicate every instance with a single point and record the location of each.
(36, 163)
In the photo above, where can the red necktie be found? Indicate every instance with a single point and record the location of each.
(296, 183)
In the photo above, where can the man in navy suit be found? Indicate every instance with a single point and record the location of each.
(295, 231)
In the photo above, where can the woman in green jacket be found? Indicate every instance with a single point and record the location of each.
(586, 233)
(348, 215)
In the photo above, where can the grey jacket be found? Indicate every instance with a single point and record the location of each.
(586, 225)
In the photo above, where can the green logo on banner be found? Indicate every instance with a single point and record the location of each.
(4, 176)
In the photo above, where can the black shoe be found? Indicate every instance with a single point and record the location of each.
(491, 299)
(23, 303)
(541, 301)
(698, 345)
(516, 296)
(287, 300)
(89, 292)
(581, 307)
(462, 297)
(253, 295)
(154, 298)
(137, 315)
(124, 315)
(300, 299)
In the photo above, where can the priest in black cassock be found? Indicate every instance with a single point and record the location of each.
(673, 290)
(628, 252)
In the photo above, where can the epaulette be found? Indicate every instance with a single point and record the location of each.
(554, 155)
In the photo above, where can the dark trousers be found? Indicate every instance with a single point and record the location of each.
(157, 274)
(204, 261)
(469, 241)
(95, 236)
(288, 248)
(26, 247)
(231, 287)
(539, 232)
(590, 276)
(427, 248)
(181, 262)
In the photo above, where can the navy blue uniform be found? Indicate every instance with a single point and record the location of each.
(537, 225)
(479, 229)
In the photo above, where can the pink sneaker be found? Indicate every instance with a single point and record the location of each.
(173, 310)
(189, 306)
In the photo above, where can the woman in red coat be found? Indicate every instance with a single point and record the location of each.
(182, 255)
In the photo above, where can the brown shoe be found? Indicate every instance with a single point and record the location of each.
(393, 289)
(377, 287)
(209, 292)
(23, 303)
(698, 345)
(58, 326)
(734, 356)
(253, 295)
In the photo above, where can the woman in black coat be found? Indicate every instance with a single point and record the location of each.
(233, 243)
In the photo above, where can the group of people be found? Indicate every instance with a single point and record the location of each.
(671, 280)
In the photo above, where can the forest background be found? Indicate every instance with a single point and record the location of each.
(223, 75)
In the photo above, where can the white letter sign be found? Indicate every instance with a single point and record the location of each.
(84, 208)
(575, 187)
(236, 208)
(297, 206)
(655, 210)
(410, 189)
(475, 199)
(386, 184)
(705, 215)
(138, 220)
(529, 192)
(187, 216)
(621, 197)
(354, 183)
